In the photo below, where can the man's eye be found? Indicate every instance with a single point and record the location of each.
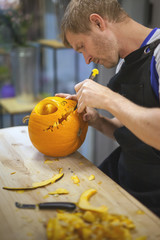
(81, 48)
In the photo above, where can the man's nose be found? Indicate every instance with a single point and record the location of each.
(88, 59)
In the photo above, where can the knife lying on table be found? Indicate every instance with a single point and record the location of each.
(47, 205)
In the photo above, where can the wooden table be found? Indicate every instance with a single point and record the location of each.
(21, 165)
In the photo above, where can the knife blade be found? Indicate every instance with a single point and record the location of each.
(47, 205)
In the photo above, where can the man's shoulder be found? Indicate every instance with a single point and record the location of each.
(156, 54)
(155, 36)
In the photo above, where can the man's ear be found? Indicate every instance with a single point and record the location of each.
(97, 20)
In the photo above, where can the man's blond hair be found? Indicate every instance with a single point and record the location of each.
(76, 17)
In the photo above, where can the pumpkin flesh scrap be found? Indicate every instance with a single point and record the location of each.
(89, 225)
(75, 179)
(59, 191)
(91, 177)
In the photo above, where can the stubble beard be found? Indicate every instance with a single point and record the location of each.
(106, 52)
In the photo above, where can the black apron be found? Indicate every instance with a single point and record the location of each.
(135, 165)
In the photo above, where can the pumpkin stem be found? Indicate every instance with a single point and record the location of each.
(26, 118)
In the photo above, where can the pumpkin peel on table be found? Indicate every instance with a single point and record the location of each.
(84, 203)
(37, 184)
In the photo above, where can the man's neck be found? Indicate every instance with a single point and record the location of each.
(130, 35)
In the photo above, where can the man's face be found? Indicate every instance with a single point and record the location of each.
(96, 46)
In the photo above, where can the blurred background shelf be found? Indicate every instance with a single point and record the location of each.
(13, 107)
(55, 46)
(51, 43)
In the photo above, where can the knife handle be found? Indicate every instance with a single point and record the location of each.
(57, 205)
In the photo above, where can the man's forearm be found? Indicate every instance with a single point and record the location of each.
(106, 126)
(143, 122)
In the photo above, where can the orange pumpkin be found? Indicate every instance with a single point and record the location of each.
(55, 128)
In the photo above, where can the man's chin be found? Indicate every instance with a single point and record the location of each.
(109, 65)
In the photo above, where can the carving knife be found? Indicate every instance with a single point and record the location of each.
(47, 205)
(93, 74)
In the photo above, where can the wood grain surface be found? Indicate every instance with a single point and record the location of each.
(21, 165)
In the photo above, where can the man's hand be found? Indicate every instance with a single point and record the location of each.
(90, 115)
(67, 96)
(90, 94)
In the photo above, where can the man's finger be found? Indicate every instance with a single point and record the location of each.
(72, 97)
(63, 95)
(78, 86)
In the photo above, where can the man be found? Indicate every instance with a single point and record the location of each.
(103, 32)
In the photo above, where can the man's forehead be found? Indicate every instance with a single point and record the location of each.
(74, 38)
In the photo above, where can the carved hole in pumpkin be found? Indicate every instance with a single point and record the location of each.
(60, 121)
(46, 108)
(64, 117)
